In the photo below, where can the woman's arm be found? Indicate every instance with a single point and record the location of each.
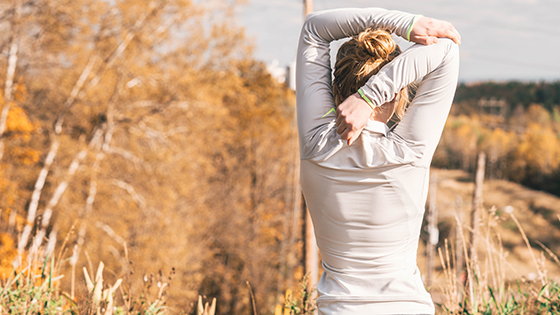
(353, 113)
(314, 91)
(425, 118)
(438, 67)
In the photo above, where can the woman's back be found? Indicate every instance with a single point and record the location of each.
(367, 199)
(367, 223)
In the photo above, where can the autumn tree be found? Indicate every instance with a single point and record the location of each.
(146, 131)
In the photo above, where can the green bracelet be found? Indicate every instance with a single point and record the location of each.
(332, 110)
(411, 26)
(368, 101)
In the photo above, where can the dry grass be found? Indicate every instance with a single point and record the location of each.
(515, 270)
(34, 288)
(489, 287)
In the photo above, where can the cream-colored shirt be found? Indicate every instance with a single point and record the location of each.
(367, 200)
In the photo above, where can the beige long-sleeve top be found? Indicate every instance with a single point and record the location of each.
(367, 200)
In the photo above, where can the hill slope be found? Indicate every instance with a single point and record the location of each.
(538, 213)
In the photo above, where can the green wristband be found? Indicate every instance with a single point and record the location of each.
(368, 101)
(411, 26)
(332, 110)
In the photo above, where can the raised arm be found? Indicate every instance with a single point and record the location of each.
(314, 92)
(438, 68)
(354, 112)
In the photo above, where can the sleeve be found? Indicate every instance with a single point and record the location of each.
(437, 66)
(313, 68)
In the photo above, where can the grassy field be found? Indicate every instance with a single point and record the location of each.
(515, 270)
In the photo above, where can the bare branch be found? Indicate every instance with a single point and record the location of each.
(110, 232)
(138, 199)
(126, 154)
(96, 165)
(60, 189)
(140, 23)
(108, 62)
(36, 196)
(8, 87)
(73, 94)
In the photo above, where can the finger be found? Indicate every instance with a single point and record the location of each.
(353, 138)
(419, 40)
(340, 128)
(454, 35)
(431, 40)
(338, 116)
(347, 134)
(451, 33)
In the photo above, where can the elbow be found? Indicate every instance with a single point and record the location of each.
(454, 51)
(452, 48)
(309, 18)
(309, 33)
(308, 28)
(308, 22)
(454, 54)
(451, 51)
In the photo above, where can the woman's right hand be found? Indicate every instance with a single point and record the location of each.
(427, 31)
(351, 117)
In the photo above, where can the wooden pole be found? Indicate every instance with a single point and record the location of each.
(310, 243)
(312, 252)
(308, 4)
(477, 205)
(459, 260)
(433, 231)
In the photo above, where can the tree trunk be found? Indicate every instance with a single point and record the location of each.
(477, 205)
(10, 73)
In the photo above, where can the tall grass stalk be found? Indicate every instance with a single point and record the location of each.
(34, 288)
(489, 284)
(489, 287)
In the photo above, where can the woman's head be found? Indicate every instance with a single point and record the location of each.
(360, 58)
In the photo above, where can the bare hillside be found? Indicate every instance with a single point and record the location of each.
(537, 212)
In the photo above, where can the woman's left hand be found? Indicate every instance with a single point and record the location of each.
(427, 31)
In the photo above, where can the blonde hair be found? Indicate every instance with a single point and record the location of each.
(360, 58)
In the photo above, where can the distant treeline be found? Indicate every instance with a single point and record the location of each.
(516, 124)
(513, 93)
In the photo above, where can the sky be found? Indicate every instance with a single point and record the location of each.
(501, 39)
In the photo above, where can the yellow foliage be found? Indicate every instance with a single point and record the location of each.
(20, 92)
(540, 148)
(199, 139)
(537, 114)
(499, 143)
(18, 122)
(27, 156)
(8, 254)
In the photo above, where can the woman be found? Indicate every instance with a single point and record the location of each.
(366, 195)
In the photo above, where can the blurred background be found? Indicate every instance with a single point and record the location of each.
(501, 39)
(158, 137)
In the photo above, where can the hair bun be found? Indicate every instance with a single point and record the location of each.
(359, 58)
(377, 43)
